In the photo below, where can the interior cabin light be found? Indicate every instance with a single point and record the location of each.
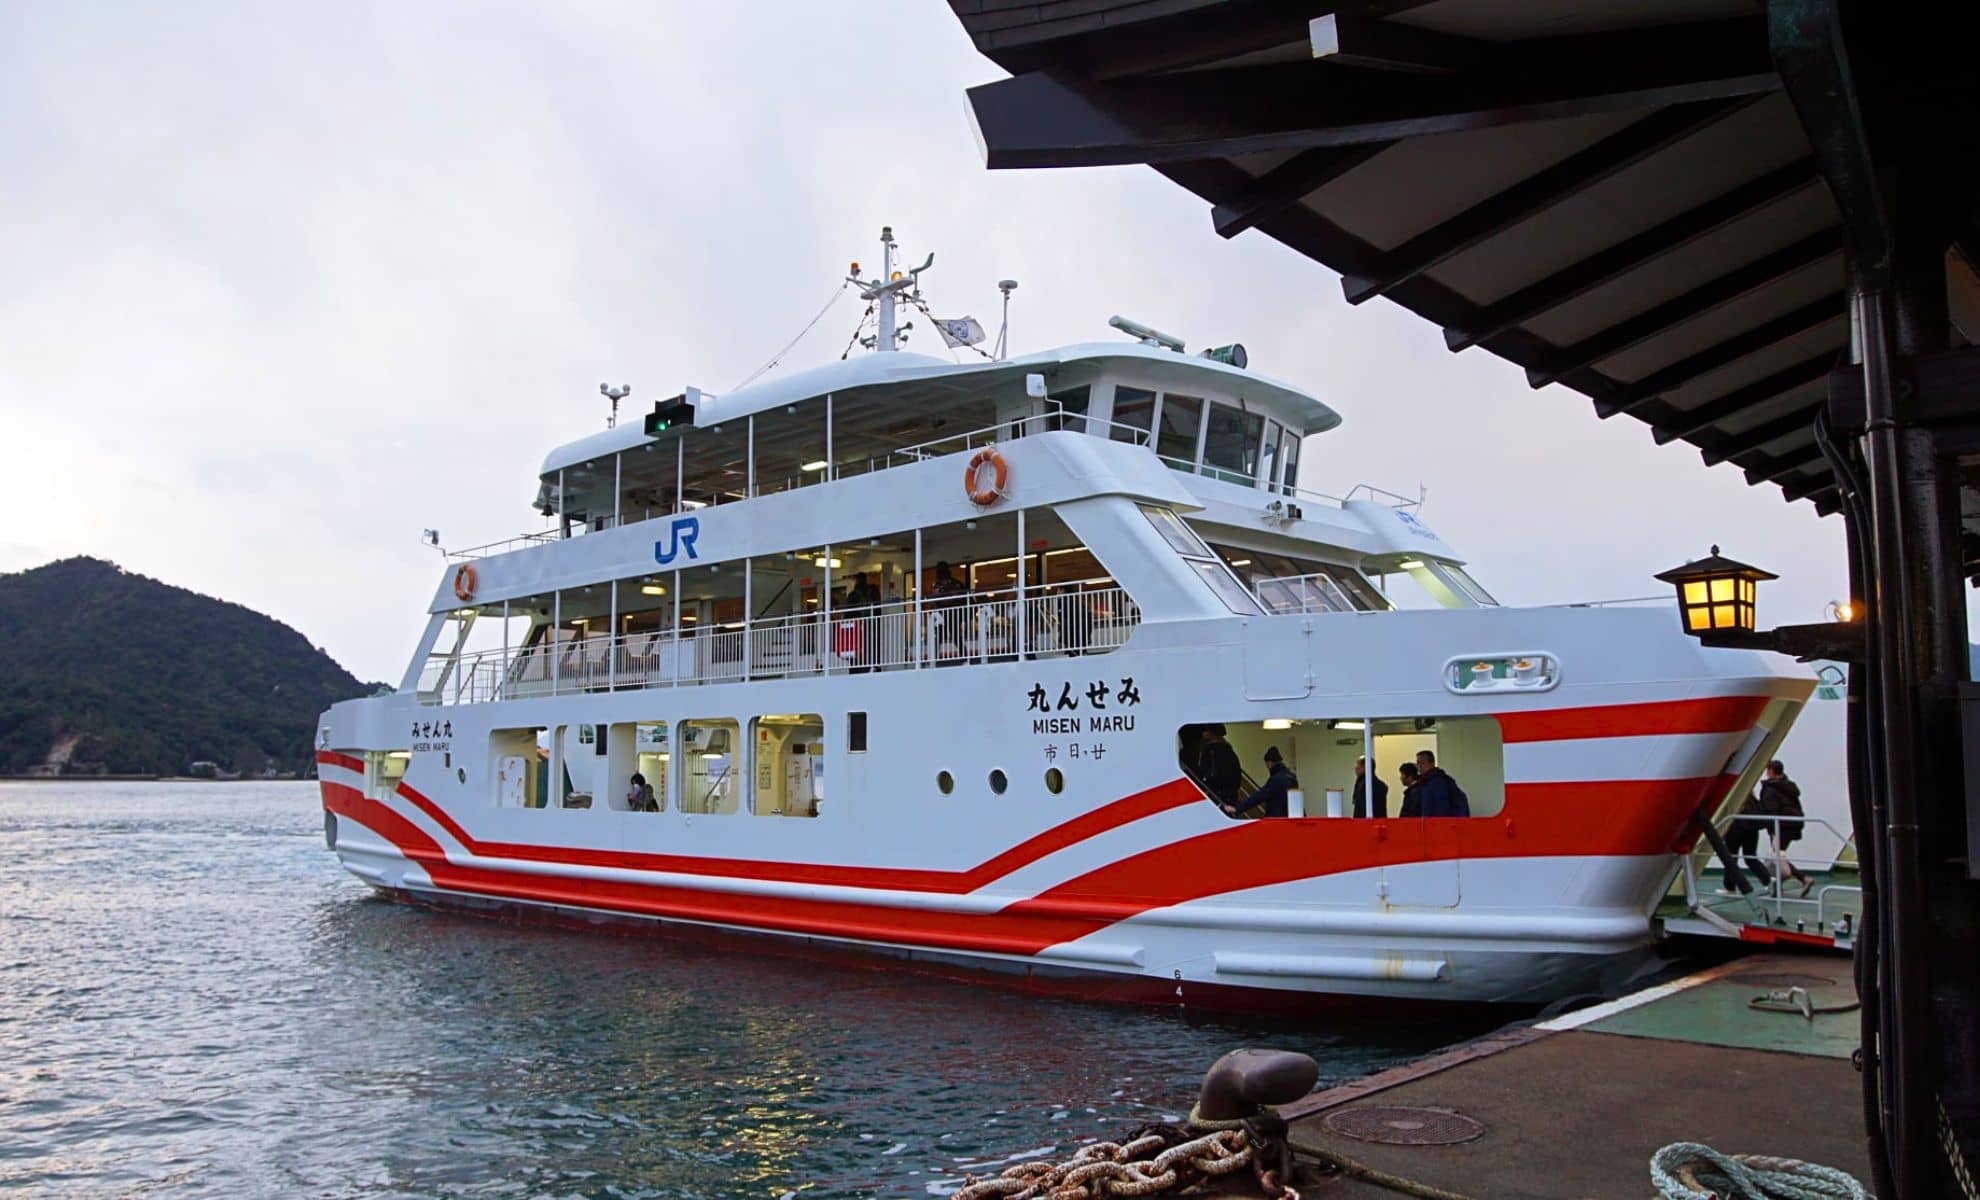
(816, 464)
(1414, 564)
(1240, 562)
(1275, 723)
(826, 562)
(653, 589)
(1350, 724)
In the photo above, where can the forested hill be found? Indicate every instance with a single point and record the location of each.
(104, 671)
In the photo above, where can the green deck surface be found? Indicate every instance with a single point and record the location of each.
(1787, 912)
(1718, 1013)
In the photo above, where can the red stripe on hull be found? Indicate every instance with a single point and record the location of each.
(1126, 810)
(1714, 714)
(1562, 821)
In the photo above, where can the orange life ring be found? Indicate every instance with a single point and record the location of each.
(1000, 475)
(464, 581)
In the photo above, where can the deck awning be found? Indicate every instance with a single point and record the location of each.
(1616, 196)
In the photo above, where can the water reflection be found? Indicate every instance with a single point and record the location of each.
(194, 997)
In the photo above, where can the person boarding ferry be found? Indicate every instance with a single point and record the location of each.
(1275, 793)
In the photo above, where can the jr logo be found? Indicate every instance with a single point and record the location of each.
(681, 537)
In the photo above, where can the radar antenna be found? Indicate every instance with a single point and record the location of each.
(1006, 286)
(614, 394)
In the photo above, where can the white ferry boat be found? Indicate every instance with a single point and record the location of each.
(912, 658)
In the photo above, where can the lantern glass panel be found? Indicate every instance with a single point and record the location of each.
(1723, 616)
(1694, 592)
(1722, 589)
(1697, 618)
(1746, 591)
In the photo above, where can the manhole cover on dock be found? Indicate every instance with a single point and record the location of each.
(1404, 1126)
(1780, 979)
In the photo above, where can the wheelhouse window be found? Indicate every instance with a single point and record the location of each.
(1073, 404)
(1289, 462)
(1274, 432)
(1134, 414)
(1231, 440)
(1175, 437)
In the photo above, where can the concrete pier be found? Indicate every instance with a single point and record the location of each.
(1575, 1107)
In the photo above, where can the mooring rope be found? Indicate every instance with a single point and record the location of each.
(1689, 1171)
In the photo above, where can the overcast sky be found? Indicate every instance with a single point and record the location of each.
(281, 285)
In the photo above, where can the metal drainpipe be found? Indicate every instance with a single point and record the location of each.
(1892, 611)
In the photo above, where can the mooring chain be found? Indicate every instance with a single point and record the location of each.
(1115, 1169)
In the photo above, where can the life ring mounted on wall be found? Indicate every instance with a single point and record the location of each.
(1000, 476)
(464, 581)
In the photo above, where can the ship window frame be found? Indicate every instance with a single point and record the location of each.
(856, 732)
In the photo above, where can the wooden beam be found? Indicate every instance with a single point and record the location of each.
(1813, 315)
(1660, 318)
(1104, 41)
(1055, 118)
(1687, 422)
(1288, 183)
(1748, 440)
(1768, 470)
(1538, 192)
(1633, 252)
(1351, 40)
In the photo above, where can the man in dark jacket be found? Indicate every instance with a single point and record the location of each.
(1219, 767)
(1438, 794)
(1779, 797)
(1273, 794)
(1361, 786)
(1412, 800)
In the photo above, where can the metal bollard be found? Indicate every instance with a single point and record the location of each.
(1243, 1080)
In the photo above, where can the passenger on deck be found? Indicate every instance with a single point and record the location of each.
(1273, 793)
(1412, 801)
(640, 797)
(1437, 793)
(1361, 784)
(1218, 766)
(863, 592)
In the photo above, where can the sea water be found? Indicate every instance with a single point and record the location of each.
(196, 1000)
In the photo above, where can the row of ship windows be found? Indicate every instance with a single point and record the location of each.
(700, 766)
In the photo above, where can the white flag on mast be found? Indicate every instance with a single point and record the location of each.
(960, 331)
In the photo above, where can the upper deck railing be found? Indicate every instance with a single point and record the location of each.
(942, 631)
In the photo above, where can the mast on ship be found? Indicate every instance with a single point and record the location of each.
(884, 292)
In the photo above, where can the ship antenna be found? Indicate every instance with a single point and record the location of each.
(1006, 286)
(882, 291)
(614, 394)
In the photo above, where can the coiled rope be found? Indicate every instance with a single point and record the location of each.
(1689, 1171)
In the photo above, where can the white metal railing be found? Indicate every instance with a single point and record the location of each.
(1770, 900)
(950, 630)
(505, 545)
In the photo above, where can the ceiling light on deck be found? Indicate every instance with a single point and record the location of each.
(816, 464)
(1350, 724)
(652, 589)
(1411, 564)
(1275, 723)
(1240, 562)
(822, 561)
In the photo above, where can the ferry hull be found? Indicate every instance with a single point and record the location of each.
(1286, 946)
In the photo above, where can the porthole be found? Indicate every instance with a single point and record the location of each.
(945, 781)
(1055, 780)
(998, 782)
